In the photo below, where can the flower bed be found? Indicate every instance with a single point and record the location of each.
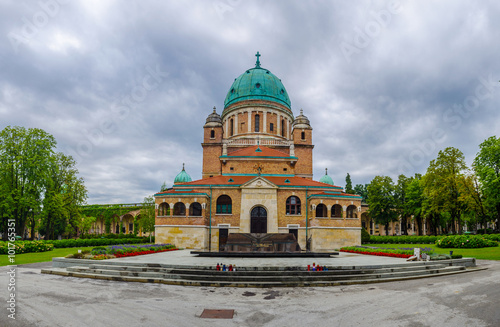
(131, 254)
(127, 250)
(395, 253)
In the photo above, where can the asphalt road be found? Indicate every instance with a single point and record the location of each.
(471, 299)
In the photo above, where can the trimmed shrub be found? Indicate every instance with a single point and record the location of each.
(25, 247)
(465, 242)
(403, 239)
(95, 242)
(365, 237)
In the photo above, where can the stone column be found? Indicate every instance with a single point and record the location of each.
(329, 211)
(236, 124)
(287, 129)
(278, 123)
(227, 124)
(187, 209)
(264, 120)
(249, 121)
(171, 209)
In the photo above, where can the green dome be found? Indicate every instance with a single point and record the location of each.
(257, 84)
(182, 177)
(326, 179)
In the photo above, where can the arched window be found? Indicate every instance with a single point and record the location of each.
(351, 211)
(271, 127)
(224, 204)
(117, 230)
(231, 127)
(321, 210)
(212, 134)
(337, 211)
(164, 209)
(282, 127)
(303, 135)
(195, 209)
(179, 209)
(293, 206)
(257, 123)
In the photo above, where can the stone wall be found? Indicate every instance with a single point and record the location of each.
(329, 238)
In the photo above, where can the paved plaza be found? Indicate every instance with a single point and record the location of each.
(457, 300)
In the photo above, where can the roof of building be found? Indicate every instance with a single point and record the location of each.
(257, 84)
(237, 180)
(182, 177)
(258, 151)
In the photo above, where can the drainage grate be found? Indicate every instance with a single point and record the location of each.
(217, 314)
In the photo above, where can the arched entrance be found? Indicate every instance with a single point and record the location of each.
(258, 220)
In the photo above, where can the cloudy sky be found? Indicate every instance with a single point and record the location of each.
(125, 86)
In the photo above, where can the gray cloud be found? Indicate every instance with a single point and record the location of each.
(386, 108)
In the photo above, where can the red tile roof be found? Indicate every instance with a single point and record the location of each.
(277, 180)
(265, 152)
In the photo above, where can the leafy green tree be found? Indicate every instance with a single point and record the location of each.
(348, 184)
(475, 207)
(147, 221)
(24, 160)
(401, 201)
(381, 201)
(64, 195)
(37, 184)
(362, 190)
(414, 200)
(163, 187)
(442, 184)
(487, 167)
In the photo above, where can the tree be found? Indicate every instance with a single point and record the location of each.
(487, 167)
(348, 184)
(24, 159)
(381, 201)
(64, 195)
(163, 187)
(401, 201)
(147, 221)
(441, 184)
(362, 190)
(414, 200)
(37, 184)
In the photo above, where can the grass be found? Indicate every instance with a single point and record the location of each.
(25, 258)
(491, 253)
(40, 256)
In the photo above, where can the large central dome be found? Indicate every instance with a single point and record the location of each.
(257, 84)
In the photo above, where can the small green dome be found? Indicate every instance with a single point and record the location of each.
(182, 177)
(257, 84)
(326, 179)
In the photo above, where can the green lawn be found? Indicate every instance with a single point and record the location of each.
(40, 256)
(491, 253)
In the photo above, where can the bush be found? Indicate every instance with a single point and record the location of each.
(95, 242)
(25, 247)
(403, 239)
(365, 237)
(465, 242)
(109, 236)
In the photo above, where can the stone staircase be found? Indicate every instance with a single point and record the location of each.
(258, 276)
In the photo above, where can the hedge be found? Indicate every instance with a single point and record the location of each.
(425, 239)
(110, 235)
(96, 242)
(25, 247)
(465, 242)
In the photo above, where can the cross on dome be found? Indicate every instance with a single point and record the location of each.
(257, 64)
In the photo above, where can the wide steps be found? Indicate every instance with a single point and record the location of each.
(251, 278)
(282, 283)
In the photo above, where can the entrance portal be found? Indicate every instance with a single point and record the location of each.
(258, 220)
